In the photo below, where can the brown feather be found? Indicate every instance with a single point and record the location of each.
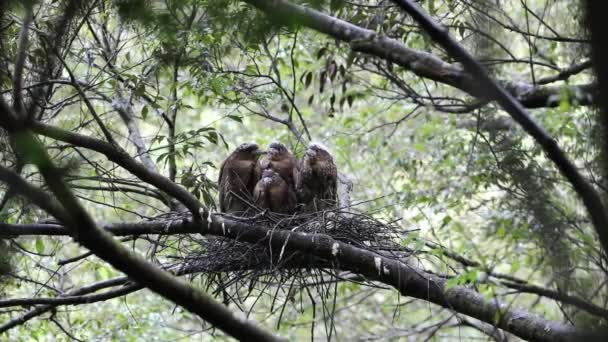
(317, 180)
(237, 178)
(273, 193)
(280, 160)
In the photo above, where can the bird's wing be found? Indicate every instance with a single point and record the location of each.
(292, 200)
(303, 189)
(332, 181)
(254, 177)
(221, 186)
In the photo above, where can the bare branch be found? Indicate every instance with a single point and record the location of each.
(86, 232)
(20, 62)
(419, 62)
(566, 73)
(409, 280)
(39, 310)
(118, 155)
(494, 91)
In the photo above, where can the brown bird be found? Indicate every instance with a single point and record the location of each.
(281, 160)
(238, 178)
(272, 192)
(317, 179)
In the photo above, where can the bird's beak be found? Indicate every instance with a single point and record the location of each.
(259, 152)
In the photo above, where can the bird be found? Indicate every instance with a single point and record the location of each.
(237, 178)
(273, 193)
(317, 179)
(281, 160)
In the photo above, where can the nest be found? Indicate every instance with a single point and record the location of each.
(237, 270)
(219, 254)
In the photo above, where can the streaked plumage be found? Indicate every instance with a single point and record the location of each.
(281, 160)
(238, 178)
(272, 192)
(317, 179)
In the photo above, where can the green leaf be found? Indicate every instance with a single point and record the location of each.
(452, 282)
(224, 141)
(308, 79)
(473, 276)
(212, 137)
(446, 220)
(419, 147)
(251, 70)
(235, 118)
(155, 105)
(161, 157)
(39, 246)
(217, 86)
(104, 272)
(144, 112)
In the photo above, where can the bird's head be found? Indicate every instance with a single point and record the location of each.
(317, 151)
(277, 149)
(269, 176)
(249, 150)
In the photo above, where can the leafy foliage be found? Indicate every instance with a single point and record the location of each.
(180, 83)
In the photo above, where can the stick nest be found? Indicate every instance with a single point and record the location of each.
(219, 254)
(237, 270)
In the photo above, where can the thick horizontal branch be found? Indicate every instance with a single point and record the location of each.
(421, 63)
(179, 227)
(409, 280)
(8, 230)
(86, 232)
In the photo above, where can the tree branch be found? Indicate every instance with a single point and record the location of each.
(39, 310)
(118, 155)
(408, 280)
(585, 190)
(20, 61)
(85, 231)
(419, 62)
(69, 299)
(566, 73)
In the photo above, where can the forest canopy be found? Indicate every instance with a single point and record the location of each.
(469, 145)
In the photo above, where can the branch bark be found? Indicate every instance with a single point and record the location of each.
(177, 227)
(41, 309)
(421, 63)
(118, 155)
(597, 26)
(408, 280)
(472, 79)
(494, 91)
(122, 286)
(85, 231)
